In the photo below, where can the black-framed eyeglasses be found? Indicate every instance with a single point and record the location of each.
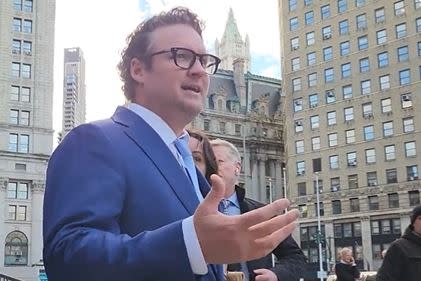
(185, 59)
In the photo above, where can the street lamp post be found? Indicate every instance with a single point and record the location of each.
(319, 230)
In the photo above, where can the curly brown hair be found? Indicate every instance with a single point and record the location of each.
(138, 42)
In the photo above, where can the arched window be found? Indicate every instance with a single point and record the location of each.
(16, 249)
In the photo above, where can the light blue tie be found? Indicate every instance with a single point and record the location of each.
(182, 146)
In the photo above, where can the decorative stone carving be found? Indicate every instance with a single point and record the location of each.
(3, 183)
(38, 186)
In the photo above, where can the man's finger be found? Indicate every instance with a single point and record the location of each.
(264, 213)
(267, 227)
(215, 195)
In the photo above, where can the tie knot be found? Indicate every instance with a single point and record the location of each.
(183, 147)
(225, 205)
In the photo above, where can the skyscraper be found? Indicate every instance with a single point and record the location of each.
(351, 72)
(26, 134)
(74, 90)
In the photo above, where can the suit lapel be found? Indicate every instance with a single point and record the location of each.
(160, 155)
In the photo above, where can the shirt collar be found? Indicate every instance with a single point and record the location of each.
(234, 200)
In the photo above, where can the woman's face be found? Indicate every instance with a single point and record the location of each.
(196, 148)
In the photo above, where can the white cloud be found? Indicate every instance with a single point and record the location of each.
(271, 71)
(100, 28)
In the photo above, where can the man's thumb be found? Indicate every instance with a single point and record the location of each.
(217, 191)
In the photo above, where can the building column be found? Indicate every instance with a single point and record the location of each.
(277, 165)
(3, 214)
(262, 180)
(254, 194)
(366, 243)
(35, 243)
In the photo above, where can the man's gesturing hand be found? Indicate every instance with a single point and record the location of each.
(232, 239)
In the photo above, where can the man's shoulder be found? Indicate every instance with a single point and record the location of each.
(253, 204)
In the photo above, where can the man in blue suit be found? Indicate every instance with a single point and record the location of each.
(122, 201)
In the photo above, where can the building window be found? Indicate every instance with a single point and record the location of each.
(310, 38)
(328, 53)
(349, 113)
(363, 42)
(27, 26)
(370, 156)
(315, 143)
(364, 65)
(391, 176)
(15, 69)
(344, 48)
(419, 47)
(381, 36)
(299, 125)
(14, 117)
(367, 110)
(293, 24)
(414, 197)
(408, 125)
(314, 122)
(329, 75)
(26, 70)
(400, 30)
(336, 207)
(299, 146)
(399, 8)
(418, 24)
(327, 32)
(301, 168)
(346, 70)
(369, 132)
(313, 100)
(406, 100)
(330, 96)
(303, 210)
(309, 18)
(320, 184)
(325, 11)
(351, 159)
(222, 127)
(404, 77)
(354, 204)
(350, 136)
(16, 249)
(379, 15)
(321, 208)
(206, 125)
(412, 172)
(308, 2)
(295, 44)
(410, 149)
(375, 227)
(296, 84)
(295, 64)
(393, 200)
(334, 162)
(384, 82)
(417, 4)
(347, 91)
(302, 190)
(388, 129)
(331, 118)
(373, 203)
(27, 6)
(335, 184)
(17, 24)
(342, 6)
(403, 54)
(372, 178)
(312, 79)
(311, 58)
(298, 104)
(382, 59)
(16, 47)
(353, 181)
(292, 5)
(343, 27)
(365, 87)
(386, 105)
(389, 152)
(359, 3)
(333, 139)
(361, 22)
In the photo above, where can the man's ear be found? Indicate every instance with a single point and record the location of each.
(137, 70)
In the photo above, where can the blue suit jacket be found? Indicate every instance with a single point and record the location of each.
(114, 202)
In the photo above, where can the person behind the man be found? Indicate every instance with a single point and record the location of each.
(291, 260)
(346, 269)
(123, 200)
(402, 261)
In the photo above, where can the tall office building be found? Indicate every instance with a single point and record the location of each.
(351, 76)
(26, 130)
(74, 90)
